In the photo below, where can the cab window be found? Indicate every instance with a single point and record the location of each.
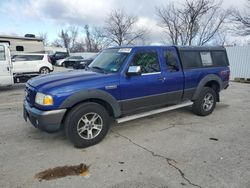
(148, 60)
(171, 61)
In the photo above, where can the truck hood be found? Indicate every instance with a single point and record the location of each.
(63, 78)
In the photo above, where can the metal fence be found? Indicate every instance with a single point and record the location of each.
(239, 59)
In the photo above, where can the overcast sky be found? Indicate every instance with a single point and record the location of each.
(19, 17)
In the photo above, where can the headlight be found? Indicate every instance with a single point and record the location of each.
(45, 100)
(82, 63)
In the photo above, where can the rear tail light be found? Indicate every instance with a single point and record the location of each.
(49, 60)
(228, 75)
(225, 74)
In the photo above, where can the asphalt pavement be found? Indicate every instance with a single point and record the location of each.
(172, 149)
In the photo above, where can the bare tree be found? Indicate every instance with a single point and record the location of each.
(242, 20)
(120, 28)
(88, 39)
(94, 39)
(98, 39)
(79, 46)
(67, 38)
(196, 22)
(44, 36)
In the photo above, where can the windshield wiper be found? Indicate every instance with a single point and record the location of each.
(99, 68)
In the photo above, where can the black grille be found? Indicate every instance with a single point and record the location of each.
(30, 95)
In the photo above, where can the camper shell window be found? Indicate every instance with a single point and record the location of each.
(192, 59)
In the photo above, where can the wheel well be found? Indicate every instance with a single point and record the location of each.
(215, 86)
(105, 104)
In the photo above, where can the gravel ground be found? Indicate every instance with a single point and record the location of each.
(173, 149)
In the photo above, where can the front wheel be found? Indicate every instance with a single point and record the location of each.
(87, 124)
(205, 103)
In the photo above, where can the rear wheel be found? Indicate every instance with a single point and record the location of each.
(205, 103)
(44, 70)
(87, 124)
(64, 65)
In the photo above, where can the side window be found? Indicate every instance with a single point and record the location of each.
(206, 59)
(59, 55)
(2, 53)
(27, 57)
(219, 58)
(148, 60)
(171, 61)
(19, 58)
(191, 59)
(35, 57)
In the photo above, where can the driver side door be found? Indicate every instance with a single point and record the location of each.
(146, 90)
(6, 76)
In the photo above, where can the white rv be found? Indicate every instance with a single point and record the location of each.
(28, 44)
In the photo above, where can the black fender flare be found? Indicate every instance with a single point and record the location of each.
(92, 94)
(204, 81)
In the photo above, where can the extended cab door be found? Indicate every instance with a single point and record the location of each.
(6, 77)
(146, 90)
(173, 74)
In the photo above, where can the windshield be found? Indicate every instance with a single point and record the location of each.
(109, 60)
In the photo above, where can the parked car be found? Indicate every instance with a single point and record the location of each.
(126, 83)
(31, 63)
(69, 61)
(83, 64)
(57, 56)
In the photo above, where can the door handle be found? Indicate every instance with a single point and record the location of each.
(8, 68)
(162, 79)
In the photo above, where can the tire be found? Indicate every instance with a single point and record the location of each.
(44, 70)
(205, 103)
(64, 65)
(78, 124)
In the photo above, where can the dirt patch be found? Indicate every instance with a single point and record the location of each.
(63, 171)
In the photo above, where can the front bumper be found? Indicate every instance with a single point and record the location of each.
(49, 121)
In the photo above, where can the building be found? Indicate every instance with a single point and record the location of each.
(29, 44)
(52, 49)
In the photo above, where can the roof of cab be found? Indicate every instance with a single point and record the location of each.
(180, 48)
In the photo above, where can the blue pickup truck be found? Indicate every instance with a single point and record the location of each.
(125, 83)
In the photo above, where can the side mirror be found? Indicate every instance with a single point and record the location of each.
(134, 71)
